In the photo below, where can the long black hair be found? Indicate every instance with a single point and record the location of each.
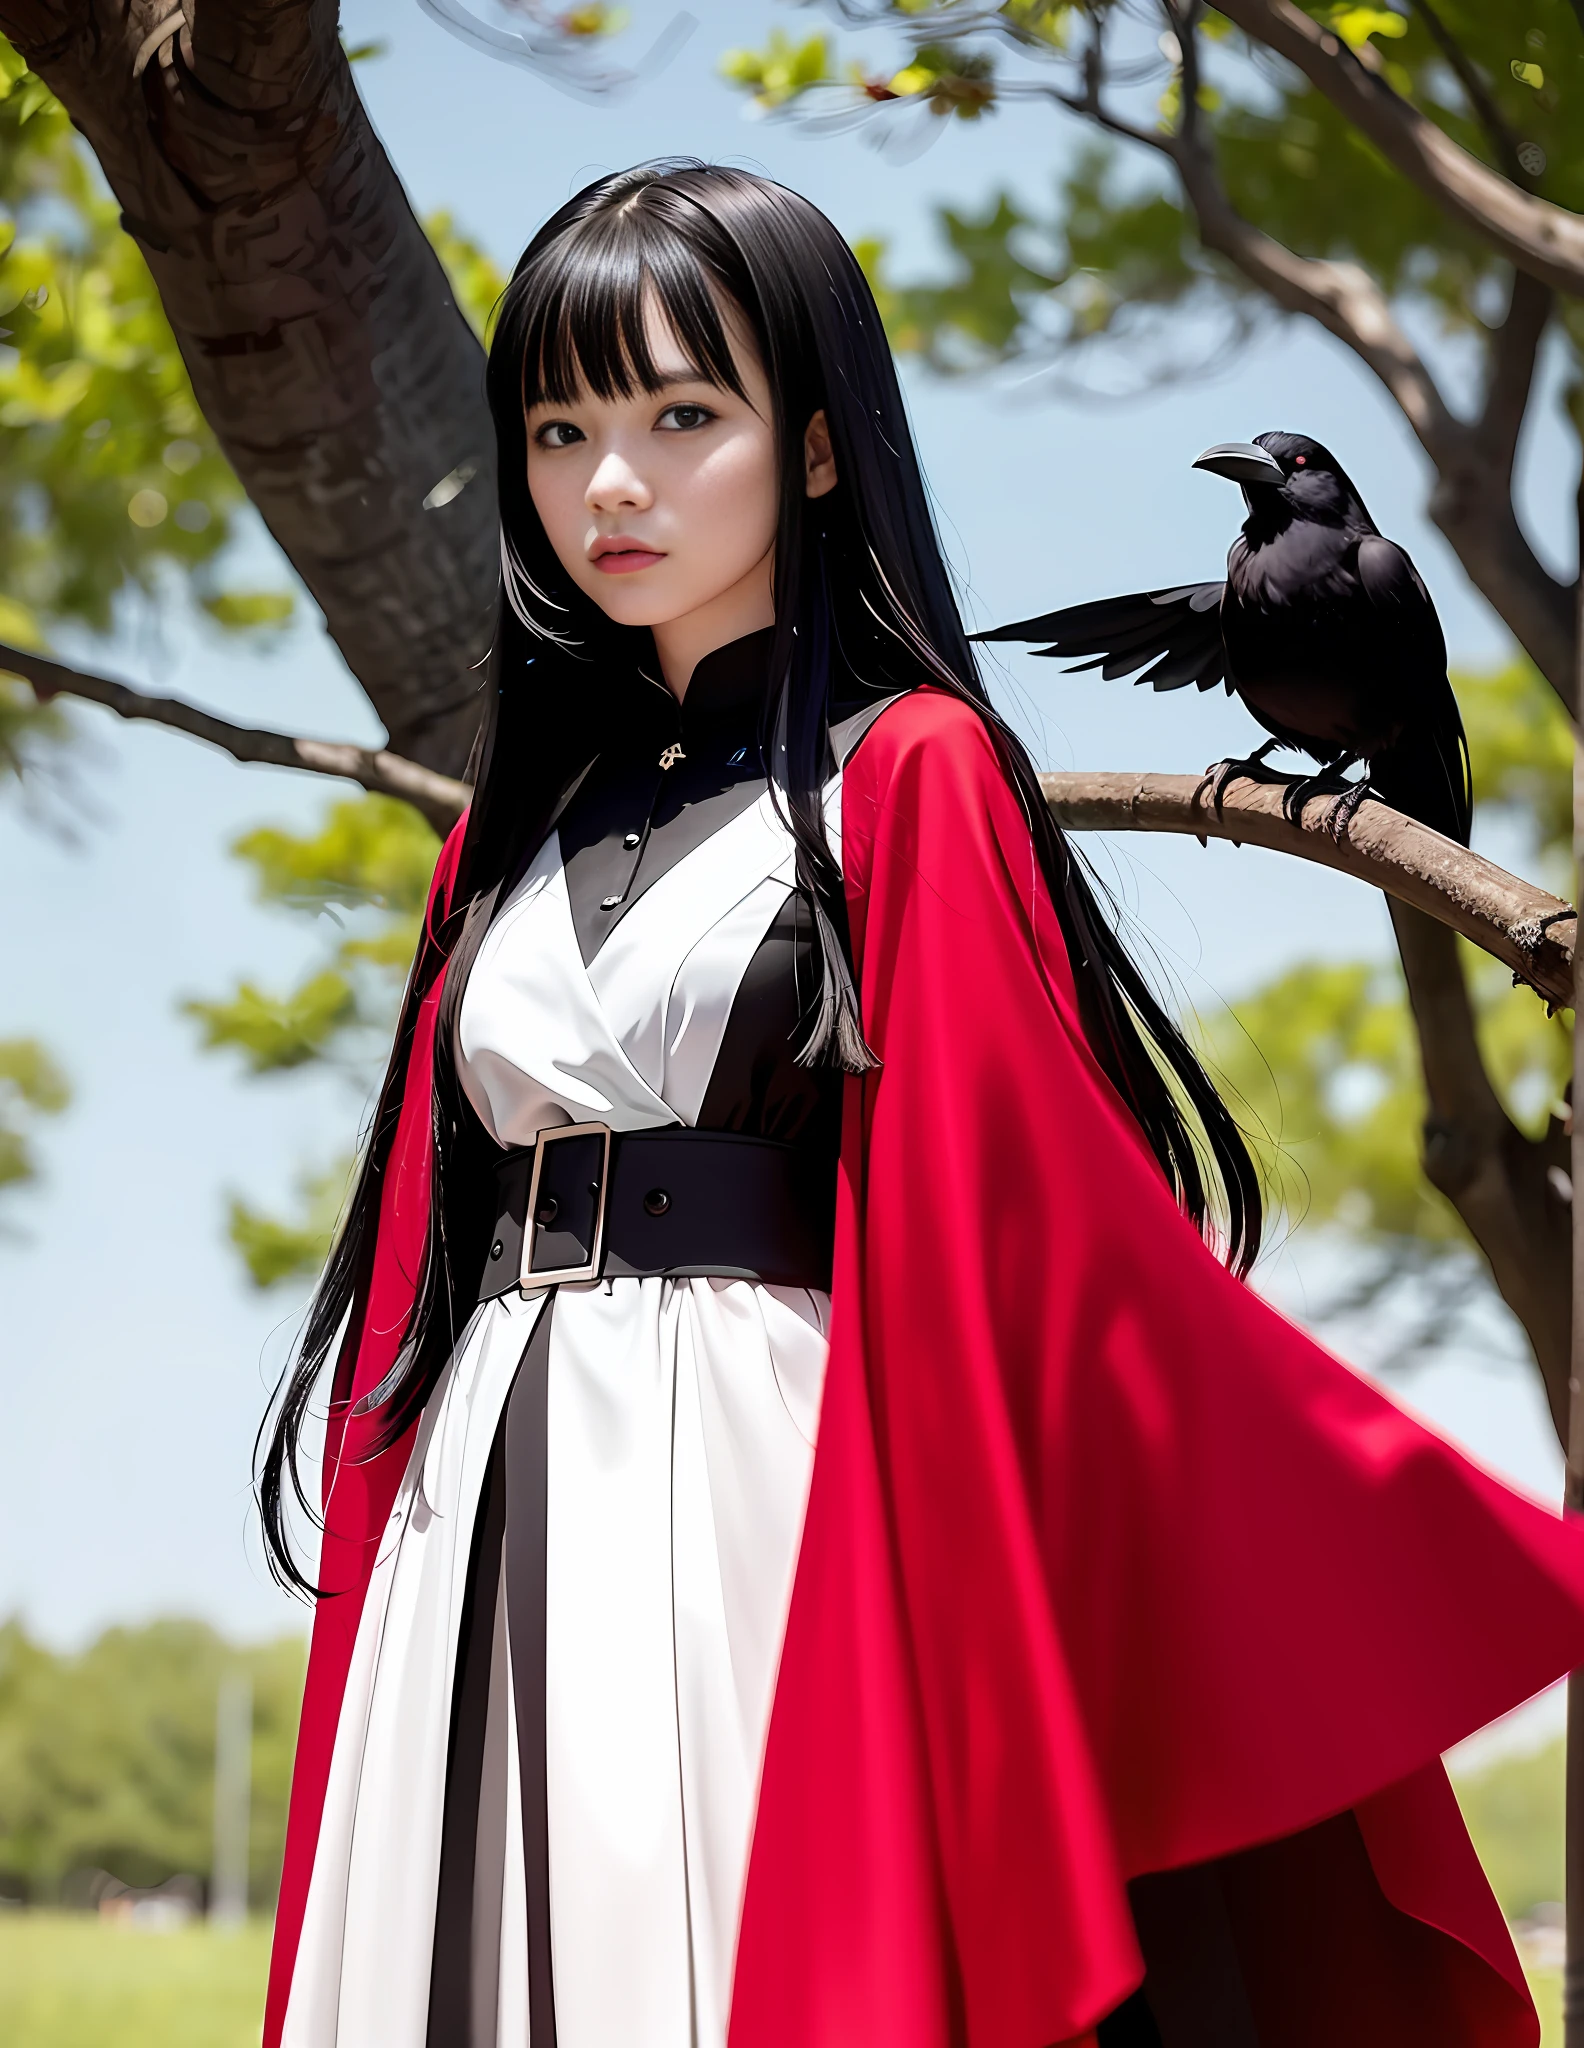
(864, 605)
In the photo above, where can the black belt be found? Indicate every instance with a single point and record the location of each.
(676, 1201)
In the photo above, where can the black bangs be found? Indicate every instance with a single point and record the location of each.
(583, 312)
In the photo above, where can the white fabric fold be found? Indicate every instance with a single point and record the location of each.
(681, 1425)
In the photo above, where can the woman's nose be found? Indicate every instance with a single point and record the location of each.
(615, 484)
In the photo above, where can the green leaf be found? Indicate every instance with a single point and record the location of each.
(1042, 21)
(369, 851)
(782, 71)
(1108, 251)
(246, 610)
(277, 1032)
(364, 871)
(1355, 25)
(34, 97)
(1521, 747)
(31, 1086)
(475, 277)
(274, 1249)
(593, 20)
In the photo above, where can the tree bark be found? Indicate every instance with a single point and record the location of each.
(441, 798)
(1472, 498)
(1525, 927)
(318, 327)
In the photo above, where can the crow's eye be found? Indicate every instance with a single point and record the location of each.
(1299, 461)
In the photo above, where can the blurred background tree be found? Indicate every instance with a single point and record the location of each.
(107, 1764)
(107, 1757)
(1220, 191)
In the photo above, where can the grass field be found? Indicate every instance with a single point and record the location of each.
(69, 1980)
(1547, 1990)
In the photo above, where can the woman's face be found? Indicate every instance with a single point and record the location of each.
(662, 507)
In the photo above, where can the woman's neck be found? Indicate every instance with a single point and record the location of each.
(681, 644)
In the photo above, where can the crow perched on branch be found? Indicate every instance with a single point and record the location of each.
(1322, 628)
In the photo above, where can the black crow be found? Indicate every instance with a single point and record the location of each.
(1322, 627)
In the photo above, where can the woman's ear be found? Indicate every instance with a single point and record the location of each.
(819, 464)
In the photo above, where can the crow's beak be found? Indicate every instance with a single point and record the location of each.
(1240, 462)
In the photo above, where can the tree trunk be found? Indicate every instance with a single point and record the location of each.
(1512, 1192)
(318, 327)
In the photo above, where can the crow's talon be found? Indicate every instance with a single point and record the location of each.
(1304, 788)
(1339, 818)
(1219, 776)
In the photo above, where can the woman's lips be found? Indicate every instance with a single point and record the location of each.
(623, 561)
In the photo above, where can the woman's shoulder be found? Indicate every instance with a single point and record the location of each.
(926, 728)
(928, 784)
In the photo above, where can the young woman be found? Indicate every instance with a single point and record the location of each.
(768, 1077)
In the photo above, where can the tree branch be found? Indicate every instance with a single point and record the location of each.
(1471, 500)
(1342, 297)
(1510, 367)
(315, 320)
(1545, 240)
(1503, 142)
(439, 797)
(1507, 1188)
(1525, 927)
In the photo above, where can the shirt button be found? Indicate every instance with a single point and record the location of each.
(609, 902)
(630, 840)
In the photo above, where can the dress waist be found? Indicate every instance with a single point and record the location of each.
(588, 1203)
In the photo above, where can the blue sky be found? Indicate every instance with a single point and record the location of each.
(134, 1363)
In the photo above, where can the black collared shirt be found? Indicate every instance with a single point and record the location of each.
(669, 778)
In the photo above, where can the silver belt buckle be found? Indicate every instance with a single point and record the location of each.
(556, 1276)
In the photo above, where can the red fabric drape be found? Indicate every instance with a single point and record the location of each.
(1107, 1567)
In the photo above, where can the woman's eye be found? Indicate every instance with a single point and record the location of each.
(684, 418)
(558, 434)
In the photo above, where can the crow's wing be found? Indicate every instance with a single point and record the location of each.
(1426, 773)
(1174, 636)
(1394, 587)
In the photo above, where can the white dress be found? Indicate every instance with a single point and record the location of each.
(680, 1424)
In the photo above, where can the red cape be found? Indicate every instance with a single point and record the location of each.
(1107, 1568)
